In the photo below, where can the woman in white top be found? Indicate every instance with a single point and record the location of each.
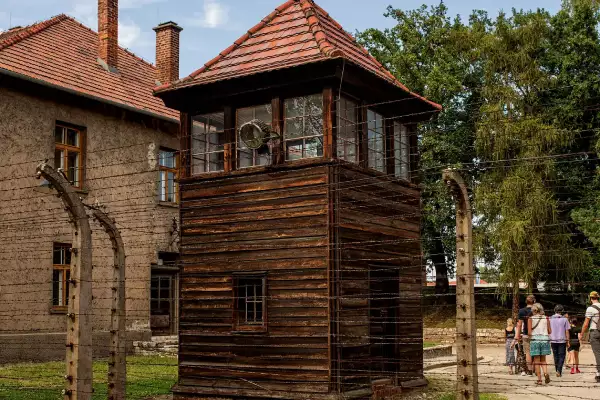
(539, 331)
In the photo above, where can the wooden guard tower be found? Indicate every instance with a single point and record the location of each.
(300, 260)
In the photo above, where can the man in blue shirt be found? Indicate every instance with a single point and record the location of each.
(522, 334)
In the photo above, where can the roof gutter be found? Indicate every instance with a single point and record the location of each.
(87, 96)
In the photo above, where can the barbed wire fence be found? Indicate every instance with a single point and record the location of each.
(29, 230)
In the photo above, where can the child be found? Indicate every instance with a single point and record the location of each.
(574, 345)
(510, 345)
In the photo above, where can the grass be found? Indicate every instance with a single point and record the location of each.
(486, 318)
(430, 344)
(437, 389)
(146, 376)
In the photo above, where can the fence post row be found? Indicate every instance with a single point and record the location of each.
(466, 339)
(117, 368)
(78, 378)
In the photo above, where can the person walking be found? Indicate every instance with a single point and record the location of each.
(592, 315)
(539, 330)
(574, 345)
(559, 338)
(522, 335)
(510, 345)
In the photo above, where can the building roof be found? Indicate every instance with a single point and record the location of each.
(298, 32)
(62, 53)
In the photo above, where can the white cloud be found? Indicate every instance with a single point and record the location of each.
(215, 15)
(129, 33)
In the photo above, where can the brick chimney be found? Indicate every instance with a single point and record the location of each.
(108, 32)
(167, 52)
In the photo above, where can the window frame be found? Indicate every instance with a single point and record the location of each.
(238, 140)
(66, 148)
(372, 161)
(244, 326)
(401, 151)
(341, 144)
(304, 117)
(65, 270)
(163, 172)
(206, 152)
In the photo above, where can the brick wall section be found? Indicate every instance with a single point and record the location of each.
(108, 30)
(167, 52)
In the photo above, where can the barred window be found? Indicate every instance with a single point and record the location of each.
(250, 301)
(208, 143)
(303, 130)
(376, 141)
(249, 157)
(347, 130)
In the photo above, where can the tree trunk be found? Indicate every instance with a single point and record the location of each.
(515, 302)
(438, 257)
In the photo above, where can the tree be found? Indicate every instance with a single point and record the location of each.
(518, 143)
(437, 56)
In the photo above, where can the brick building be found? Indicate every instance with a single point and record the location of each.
(74, 97)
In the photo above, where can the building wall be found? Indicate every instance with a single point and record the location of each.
(120, 172)
(244, 223)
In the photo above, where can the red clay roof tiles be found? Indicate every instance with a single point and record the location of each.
(297, 32)
(64, 53)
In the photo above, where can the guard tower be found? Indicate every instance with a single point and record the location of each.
(300, 247)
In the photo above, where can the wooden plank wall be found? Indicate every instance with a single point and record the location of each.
(273, 222)
(378, 234)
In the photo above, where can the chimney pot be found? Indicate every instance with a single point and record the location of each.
(108, 31)
(167, 52)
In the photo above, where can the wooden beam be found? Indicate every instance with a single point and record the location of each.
(363, 136)
(277, 125)
(185, 148)
(230, 139)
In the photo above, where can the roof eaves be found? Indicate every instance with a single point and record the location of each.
(31, 30)
(86, 95)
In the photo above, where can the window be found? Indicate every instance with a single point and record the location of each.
(168, 162)
(161, 294)
(61, 273)
(401, 151)
(347, 130)
(67, 153)
(376, 141)
(250, 302)
(248, 157)
(208, 140)
(303, 132)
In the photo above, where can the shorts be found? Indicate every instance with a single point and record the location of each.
(574, 347)
(540, 346)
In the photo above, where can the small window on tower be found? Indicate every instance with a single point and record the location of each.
(250, 305)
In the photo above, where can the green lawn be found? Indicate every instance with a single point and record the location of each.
(430, 344)
(146, 376)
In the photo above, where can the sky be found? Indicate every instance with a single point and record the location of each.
(210, 26)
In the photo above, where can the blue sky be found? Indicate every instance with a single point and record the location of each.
(212, 25)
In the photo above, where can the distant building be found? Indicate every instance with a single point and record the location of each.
(74, 97)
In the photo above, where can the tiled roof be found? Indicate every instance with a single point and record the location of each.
(297, 32)
(63, 53)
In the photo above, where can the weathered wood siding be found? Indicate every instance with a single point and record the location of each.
(379, 275)
(269, 222)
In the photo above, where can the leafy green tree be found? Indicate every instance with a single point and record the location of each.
(518, 144)
(438, 56)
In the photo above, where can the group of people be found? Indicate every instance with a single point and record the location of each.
(536, 336)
